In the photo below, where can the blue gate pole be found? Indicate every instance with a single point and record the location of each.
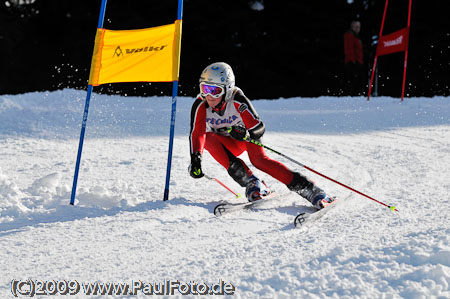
(172, 119)
(85, 115)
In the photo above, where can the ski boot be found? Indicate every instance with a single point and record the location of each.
(317, 197)
(308, 190)
(255, 189)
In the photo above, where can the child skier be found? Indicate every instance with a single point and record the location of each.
(221, 118)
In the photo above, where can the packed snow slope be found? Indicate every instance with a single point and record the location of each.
(120, 230)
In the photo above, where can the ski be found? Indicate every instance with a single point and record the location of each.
(225, 208)
(302, 219)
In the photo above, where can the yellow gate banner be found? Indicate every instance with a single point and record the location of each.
(142, 55)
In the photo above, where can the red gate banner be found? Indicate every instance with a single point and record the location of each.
(394, 42)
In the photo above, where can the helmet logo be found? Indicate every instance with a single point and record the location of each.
(215, 68)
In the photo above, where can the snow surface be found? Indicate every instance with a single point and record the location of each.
(121, 231)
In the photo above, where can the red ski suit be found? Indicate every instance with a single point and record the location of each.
(209, 131)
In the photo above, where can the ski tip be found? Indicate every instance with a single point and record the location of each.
(238, 195)
(219, 210)
(298, 221)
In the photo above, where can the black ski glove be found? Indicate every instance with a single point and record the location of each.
(238, 132)
(195, 169)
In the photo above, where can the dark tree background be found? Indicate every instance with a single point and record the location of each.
(289, 48)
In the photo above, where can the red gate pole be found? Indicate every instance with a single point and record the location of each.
(376, 55)
(406, 51)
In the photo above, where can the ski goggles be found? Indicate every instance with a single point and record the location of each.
(215, 91)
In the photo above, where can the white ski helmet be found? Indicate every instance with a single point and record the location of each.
(219, 73)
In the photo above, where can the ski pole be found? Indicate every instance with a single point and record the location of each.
(248, 139)
(238, 195)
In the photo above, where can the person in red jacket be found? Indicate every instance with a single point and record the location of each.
(221, 119)
(354, 60)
